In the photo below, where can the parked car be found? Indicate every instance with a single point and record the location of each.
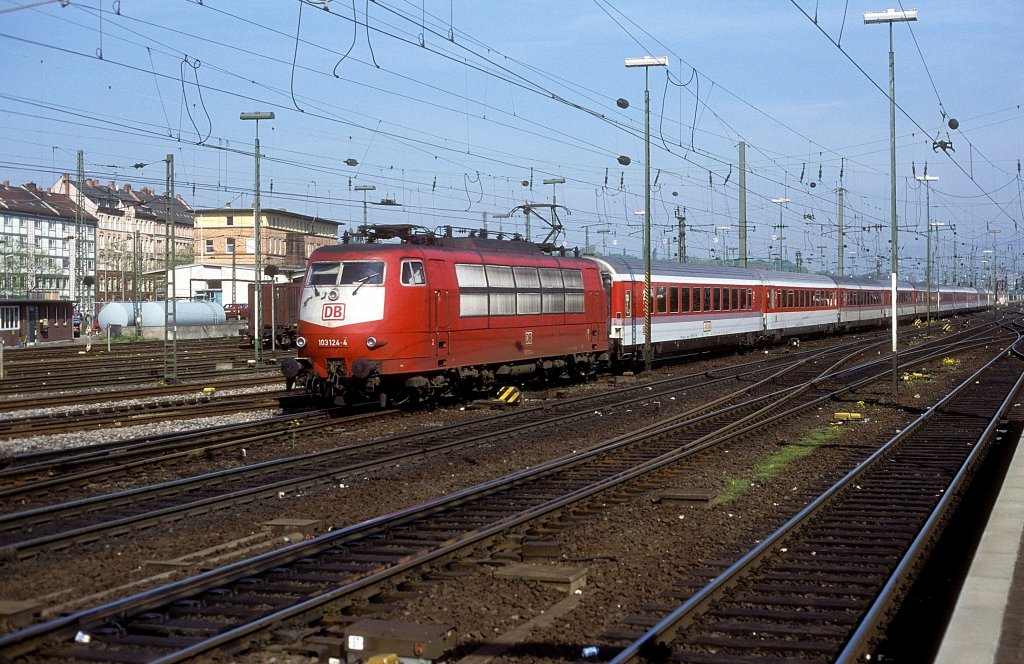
(236, 311)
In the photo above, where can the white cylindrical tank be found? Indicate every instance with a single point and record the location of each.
(187, 312)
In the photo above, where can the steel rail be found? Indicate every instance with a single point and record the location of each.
(685, 613)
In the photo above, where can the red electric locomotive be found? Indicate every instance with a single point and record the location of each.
(438, 316)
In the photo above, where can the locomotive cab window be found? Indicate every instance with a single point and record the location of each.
(333, 273)
(323, 274)
(412, 273)
(362, 272)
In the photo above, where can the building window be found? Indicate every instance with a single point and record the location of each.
(230, 245)
(231, 221)
(9, 318)
(209, 246)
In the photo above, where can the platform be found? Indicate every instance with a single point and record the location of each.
(987, 626)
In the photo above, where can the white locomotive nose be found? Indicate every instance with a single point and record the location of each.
(300, 342)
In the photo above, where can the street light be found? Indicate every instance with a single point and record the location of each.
(781, 202)
(927, 179)
(891, 16)
(257, 290)
(993, 232)
(647, 62)
(364, 188)
(553, 182)
(120, 266)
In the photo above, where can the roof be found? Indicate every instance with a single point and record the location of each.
(29, 199)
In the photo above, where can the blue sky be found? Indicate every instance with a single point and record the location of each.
(449, 106)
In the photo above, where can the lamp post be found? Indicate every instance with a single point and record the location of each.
(257, 271)
(927, 179)
(781, 202)
(993, 232)
(553, 182)
(647, 62)
(364, 188)
(891, 16)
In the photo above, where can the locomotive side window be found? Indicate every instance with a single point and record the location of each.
(526, 277)
(575, 303)
(502, 303)
(554, 303)
(412, 273)
(573, 279)
(629, 302)
(470, 276)
(499, 276)
(550, 277)
(528, 303)
(472, 289)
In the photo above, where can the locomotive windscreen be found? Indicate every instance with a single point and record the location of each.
(334, 273)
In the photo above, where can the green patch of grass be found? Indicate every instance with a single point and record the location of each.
(777, 462)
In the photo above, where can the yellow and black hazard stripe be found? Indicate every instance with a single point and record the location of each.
(509, 394)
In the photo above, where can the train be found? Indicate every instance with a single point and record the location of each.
(279, 314)
(435, 316)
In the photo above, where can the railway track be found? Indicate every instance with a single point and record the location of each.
(38, 478)
(29, 532)
(117, 415)
(187, 618)
(73, 368)
(823, 586)
(9, 408)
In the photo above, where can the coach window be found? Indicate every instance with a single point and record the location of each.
(661, 299)
(673, 299)
(716, 294)
(707, 300)
(726, 302)
(412, 273)
(736, 299)
(684, 300)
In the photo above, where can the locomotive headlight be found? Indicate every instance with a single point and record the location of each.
(371, 342)
(300, 342)
(332, 296)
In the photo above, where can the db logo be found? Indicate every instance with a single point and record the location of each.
(334, 311)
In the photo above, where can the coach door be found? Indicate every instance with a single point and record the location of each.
(438, 279)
